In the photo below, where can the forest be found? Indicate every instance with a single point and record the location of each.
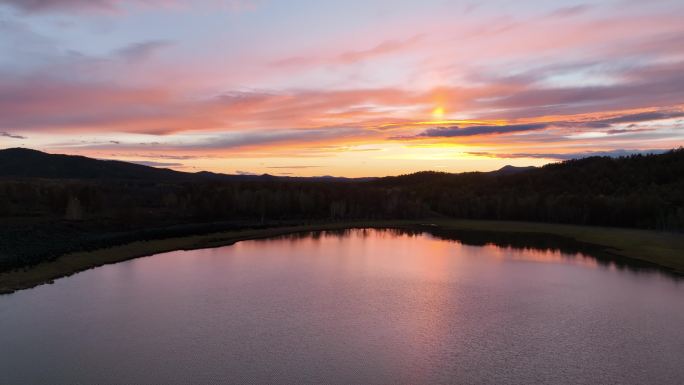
(47, 209)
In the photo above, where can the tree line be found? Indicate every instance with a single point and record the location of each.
(641, 191)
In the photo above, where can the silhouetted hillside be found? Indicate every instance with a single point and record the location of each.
(634, 191)
(513, 169)
(27, 163)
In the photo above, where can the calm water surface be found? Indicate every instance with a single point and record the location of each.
(366, 306)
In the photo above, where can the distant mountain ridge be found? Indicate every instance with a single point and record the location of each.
(28, 163)
(513, 169)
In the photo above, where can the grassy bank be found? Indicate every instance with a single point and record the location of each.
(663, 249)
(660, 248)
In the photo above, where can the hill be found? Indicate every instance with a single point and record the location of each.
(27, 163)
(635, 191)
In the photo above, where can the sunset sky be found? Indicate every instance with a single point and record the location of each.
(347, 88)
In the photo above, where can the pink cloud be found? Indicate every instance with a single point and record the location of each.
(77, 5)
(493, 67)
(352, 56)
(44, 104)
(115, 6)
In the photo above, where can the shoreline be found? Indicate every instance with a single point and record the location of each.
(663, 250)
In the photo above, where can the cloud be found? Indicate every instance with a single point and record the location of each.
(240, 172)
(56, 101)
(593, 123)
(155, 164)
(43, 6)
(36, 6)
(70, 100)
(160, 156)
(261, 138)
(455, 131)
(644, 116)
(568, 156)
(142, 50)
(292, 167)
(539, 70)
(241, 5)
(618, 131)
(570, 11)
(43, 104)
(653, 85)
(8, 135)
(212, 144)
(348, 57)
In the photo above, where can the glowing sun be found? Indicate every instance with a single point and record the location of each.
(438, 112)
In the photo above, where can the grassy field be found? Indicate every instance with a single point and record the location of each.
(663, 249)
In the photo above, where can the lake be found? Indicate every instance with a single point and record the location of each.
(358, 306)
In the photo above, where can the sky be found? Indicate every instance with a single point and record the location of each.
(346, 88)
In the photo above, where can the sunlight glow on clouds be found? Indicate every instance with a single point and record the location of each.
(341, 88)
